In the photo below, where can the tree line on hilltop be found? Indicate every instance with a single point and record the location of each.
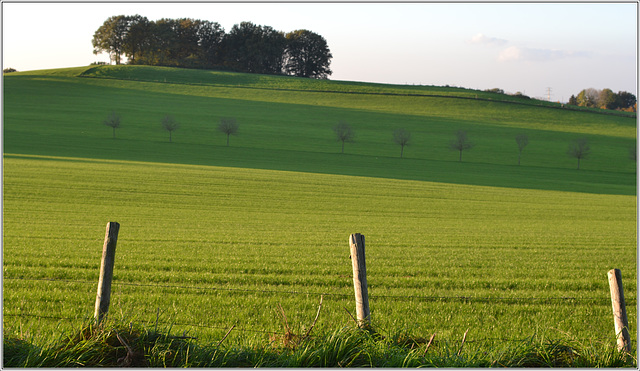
(594, 98)
(578, 148)
(605, 99)
(194, 43)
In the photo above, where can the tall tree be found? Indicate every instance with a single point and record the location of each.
(522, 140)
(588, 97)
(253, 48)
(307, 55)
(110, 37)
(228, 126)
(579, 149)
(461, 143)
(210, 38)
(136, 41)
(344, 133)
(164, 43)
(606, 99)
(402, 138)
(624, 99)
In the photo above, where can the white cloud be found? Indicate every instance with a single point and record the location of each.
(514, 53)
(519, 53)
(482, 39)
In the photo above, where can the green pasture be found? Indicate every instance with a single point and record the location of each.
(213, 246)
(213, 236)
(59, 113)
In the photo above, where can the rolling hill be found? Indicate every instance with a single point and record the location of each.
(286, 123)
(213, 235)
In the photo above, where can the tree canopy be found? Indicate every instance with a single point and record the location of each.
(110, 37)
(605, 99)
(194, 43)
(307, 55)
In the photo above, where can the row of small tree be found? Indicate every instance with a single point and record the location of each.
(578, 148)
(195, 43)
(227, 125)
(344, 133)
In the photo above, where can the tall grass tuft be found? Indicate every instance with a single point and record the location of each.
(128, 345)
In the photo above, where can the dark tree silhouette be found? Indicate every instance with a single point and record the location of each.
(579, 149)
(307, 55)
(113, 121)
(228, 126)
(401, 137)
(344, 133)
(461, 143)
(522, 140)
(170, 124)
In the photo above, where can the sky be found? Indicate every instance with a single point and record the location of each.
(541, 49)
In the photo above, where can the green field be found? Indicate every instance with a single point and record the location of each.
(213, 236)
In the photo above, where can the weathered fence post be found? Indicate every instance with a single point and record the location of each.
(356, 243)
(106, 271)
(619, 310)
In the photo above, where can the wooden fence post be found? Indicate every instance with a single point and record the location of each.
(356, 243)
(106, 271)
(619, 310)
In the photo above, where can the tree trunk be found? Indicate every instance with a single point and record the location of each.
(227, 140)
(519, 155)
(460, 160)
(401, 151)
(343, 146)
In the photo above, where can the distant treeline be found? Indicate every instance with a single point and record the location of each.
(605, 99)
(194, 43)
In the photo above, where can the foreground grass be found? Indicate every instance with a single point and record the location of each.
(129, 345)
(209, 247)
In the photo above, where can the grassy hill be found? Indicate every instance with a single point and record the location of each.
(213, 236)
(286, 124)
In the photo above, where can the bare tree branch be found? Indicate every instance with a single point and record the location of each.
(228, 126)
(461, 142)
(401, 137)
(170, 124)
(344, 133)
(113, 121)
(579, 149)
(522, 140)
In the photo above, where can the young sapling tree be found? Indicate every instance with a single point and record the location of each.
(344, 133)
(522, 140)
(113, 121)
(401, 137)
(228, 126)
(579, 149)
(461, 143)
(170, 124)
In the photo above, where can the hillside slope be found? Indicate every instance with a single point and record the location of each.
(286, 123)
